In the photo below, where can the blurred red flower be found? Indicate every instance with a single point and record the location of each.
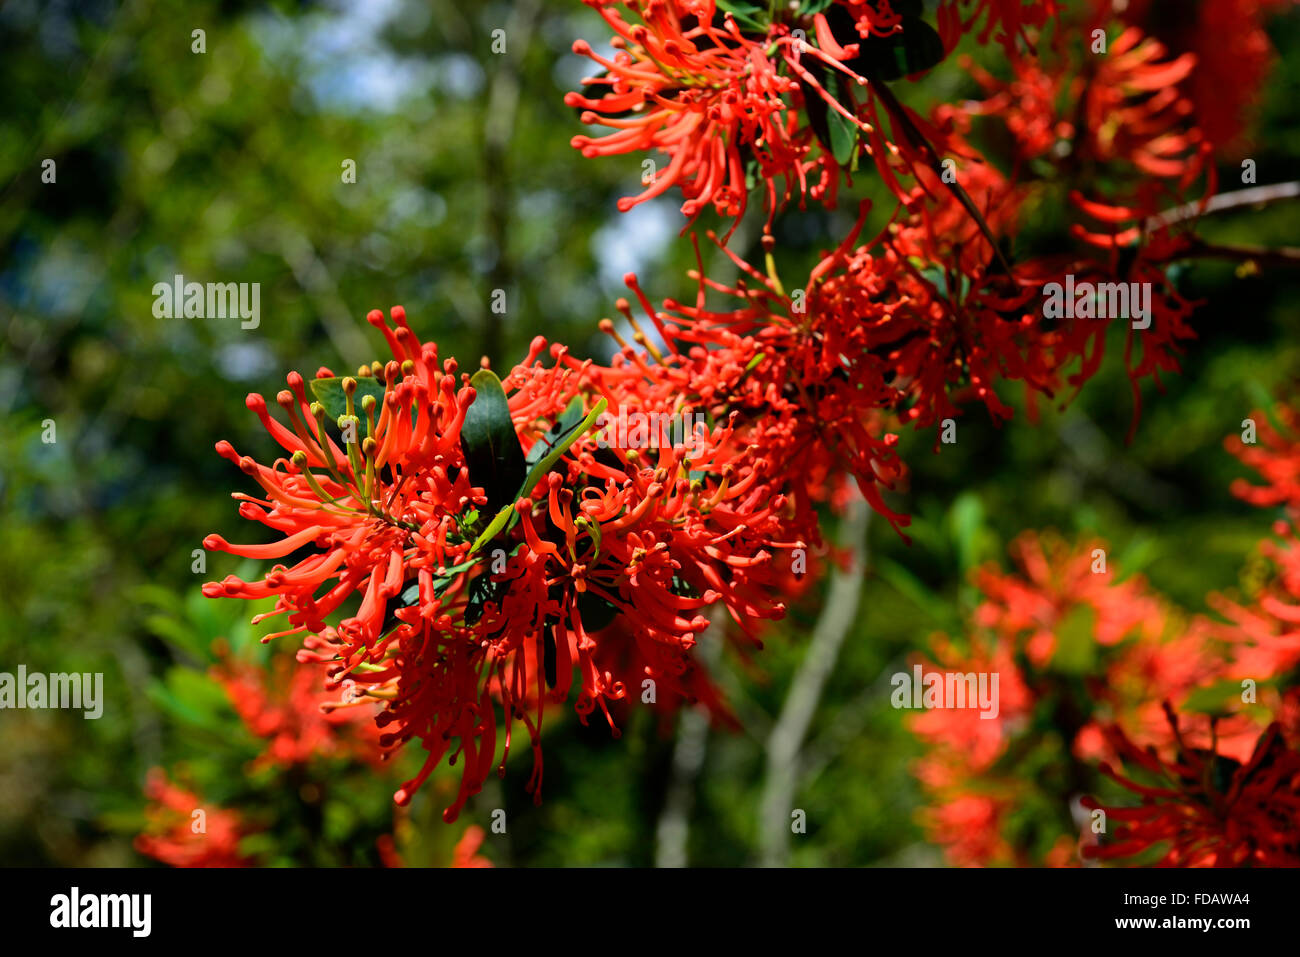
(182, 832)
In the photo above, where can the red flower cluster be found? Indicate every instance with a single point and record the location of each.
(299, 719)
(1040, 631)
(1123, 677)
(179, 838)
(1007, 21)
(465, 549)
(1205, 809)
(1266, 629)
(1233, 58)
(461, 611)
(732, 103)
(1275, 454)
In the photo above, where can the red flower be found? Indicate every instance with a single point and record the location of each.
(465, 854)
(1275, 455)
(688, 81)
(699, 93)
(1265, 631)
(654, 534)
(962, 742)
(1068, 641)
(1233, 59)
(1121, 111)
(178, 837)
(1133, 111)
(1174, 660)
(799, 374)
(291, 709)
(968, 827)
(1007, 21)
(1206, 810)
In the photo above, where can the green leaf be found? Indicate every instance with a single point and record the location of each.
(1265, 401)
(836, 132)
(505, 519)
(544, 464)
(843, 135)
(939, 277)
(746, 14)
(492, 451)
(929, 602)
(483, 589)
(190, 696)
(1139, 553)
(815, 107)
(408, 597)
(810, 7)
(1222, 772)
(1076, 645)
(966, 518)
(569, 420)
(329, 393)
(903, 123)
(1213, 699)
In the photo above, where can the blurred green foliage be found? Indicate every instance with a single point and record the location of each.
(226, 166)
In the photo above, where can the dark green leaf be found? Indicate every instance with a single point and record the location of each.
(835, 131)
(505, 518)
(408, 597)
(329, 393)
(1216, 698)
(569, 420)
(937, 275)
(844, 137)
(596, 613)
(483, 589)
(551, 455)
(815, 107)
(746, 14)
(492, 451)
(917, 48)
(903, 124)
(810, 7)
(1222, 772)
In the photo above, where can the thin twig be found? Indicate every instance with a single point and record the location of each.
(1255, 196)
(847, 724)
(1261, 255)
(785, 744)
(673, 831)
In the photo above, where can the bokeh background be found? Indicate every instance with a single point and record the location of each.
(226, 166)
